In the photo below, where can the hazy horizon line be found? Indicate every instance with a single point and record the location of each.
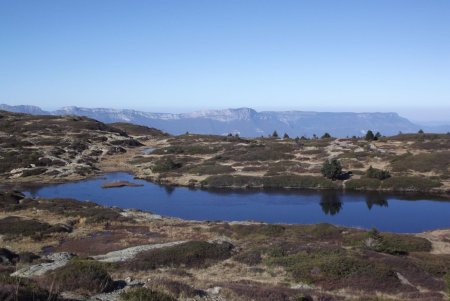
(409, 113)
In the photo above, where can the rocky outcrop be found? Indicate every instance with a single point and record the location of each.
(129, 253)
(57, 260)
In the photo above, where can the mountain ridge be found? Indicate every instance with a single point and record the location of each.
(245, 121)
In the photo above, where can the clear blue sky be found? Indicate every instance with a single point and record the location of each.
(180, 55)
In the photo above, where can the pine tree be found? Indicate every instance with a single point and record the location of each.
(331, 169)
(275, 134)
(370, 136)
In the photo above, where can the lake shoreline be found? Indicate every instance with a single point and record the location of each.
(38, 181)
(294, 206)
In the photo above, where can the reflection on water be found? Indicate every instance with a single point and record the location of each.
(330, 202)
(169, 189)
(376, 199)
(386, 212)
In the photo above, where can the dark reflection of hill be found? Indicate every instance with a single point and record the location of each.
(376, 199)
(330, 202)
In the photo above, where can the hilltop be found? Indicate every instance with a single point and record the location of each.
(56, 148)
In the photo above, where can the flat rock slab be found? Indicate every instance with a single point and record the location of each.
(126, 254)
(59, 260)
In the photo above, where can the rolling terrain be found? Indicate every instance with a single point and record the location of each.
(61, 249)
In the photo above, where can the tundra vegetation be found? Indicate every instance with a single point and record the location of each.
(170, 259)
(231, 261)
(55, 149)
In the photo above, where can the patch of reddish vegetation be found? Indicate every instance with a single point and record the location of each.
(100, 243)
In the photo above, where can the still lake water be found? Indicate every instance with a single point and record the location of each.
(386, 212)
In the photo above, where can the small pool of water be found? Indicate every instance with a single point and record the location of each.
(386, 212)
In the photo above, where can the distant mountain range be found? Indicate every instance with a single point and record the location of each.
(247, 122)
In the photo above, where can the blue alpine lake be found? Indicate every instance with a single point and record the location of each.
(402, 213)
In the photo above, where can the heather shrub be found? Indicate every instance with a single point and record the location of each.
(190, 254)
(145, 294)
(83, 276)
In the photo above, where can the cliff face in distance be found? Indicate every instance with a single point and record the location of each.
(245, 121)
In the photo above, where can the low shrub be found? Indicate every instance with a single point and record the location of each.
(144, 294)
(92, 212)
(333, 267)
(248, 290)
(190, 149)
(82, 276)
(272, 152)
(20, 157)
(190, 254)
(397, 244)
(16, 226)
(412, 183)
(437, 265)
(276, 181)
(297, 181)
(6, 256)
(264, 230)
(141, 160)
(175, 288)
(211, 169)
(20, 289)
(447, 283)
(404, 244)
(251, 258)
(376, 173)
(10, 199)
(164, 165)
(362, 184)
(232, 181)
(436, 161)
